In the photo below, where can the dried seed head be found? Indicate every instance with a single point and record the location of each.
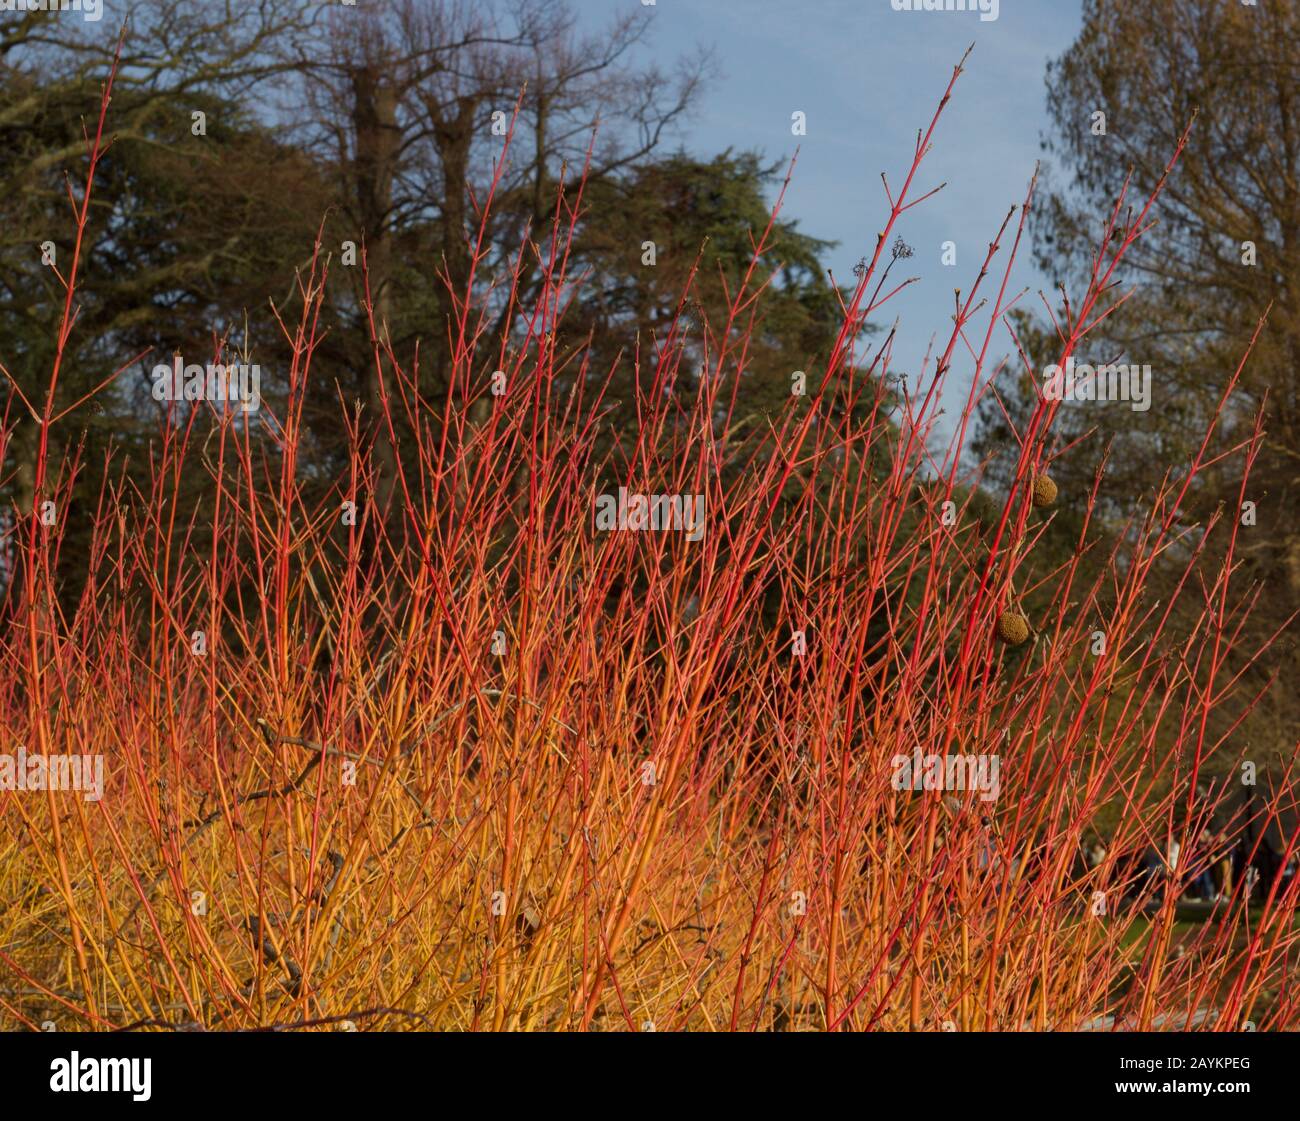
(527, 921)
(1044, 491)
(1012, 628)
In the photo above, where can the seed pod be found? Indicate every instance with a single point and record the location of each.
(1012, 628)
(1044, 491)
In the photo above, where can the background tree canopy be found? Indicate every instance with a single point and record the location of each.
(386, 128)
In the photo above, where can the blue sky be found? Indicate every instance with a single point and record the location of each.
(868, 77)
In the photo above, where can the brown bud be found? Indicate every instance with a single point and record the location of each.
(1012, 628)
(1044, 491)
